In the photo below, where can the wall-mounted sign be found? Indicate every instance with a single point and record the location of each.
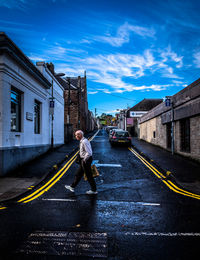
(51, 103)
(51, 107)
(129, 121)
(29, 116)
(137, 113)
(167, 102)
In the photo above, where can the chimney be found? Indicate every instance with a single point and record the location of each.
(50, 67)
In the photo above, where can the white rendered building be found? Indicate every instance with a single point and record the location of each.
(25, 120)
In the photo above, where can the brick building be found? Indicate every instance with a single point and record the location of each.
(76, 116)
(184, 114)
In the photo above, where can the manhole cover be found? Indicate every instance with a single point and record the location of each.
(65, 243)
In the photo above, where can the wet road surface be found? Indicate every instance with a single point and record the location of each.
(134, 216)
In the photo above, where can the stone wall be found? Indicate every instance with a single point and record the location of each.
(153, 131)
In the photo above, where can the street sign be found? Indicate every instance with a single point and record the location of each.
(51, 104)
(51, 107)
(137, 114)
(167, 102)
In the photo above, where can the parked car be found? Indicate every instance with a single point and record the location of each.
(111, 132)
(120, 137)
(110, 127)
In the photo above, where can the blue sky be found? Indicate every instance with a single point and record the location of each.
(130, 49)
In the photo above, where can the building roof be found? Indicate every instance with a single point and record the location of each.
(146, 104)
(8, 46)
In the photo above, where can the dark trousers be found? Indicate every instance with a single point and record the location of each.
(85, 167)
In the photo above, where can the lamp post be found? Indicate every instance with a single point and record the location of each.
(169, 103)
(52, 105)
(122, 114)
(68, 101)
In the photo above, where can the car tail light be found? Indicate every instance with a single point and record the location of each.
(114, 137)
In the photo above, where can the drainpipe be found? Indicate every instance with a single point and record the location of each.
(172, 128)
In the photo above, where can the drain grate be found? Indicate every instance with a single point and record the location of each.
(65, 243)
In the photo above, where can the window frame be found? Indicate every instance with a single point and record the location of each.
(18, 114)
(38, 130)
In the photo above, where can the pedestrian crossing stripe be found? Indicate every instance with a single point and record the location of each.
(163, 178)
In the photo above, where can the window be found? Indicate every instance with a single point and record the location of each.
(37, 117)
(15, 110)
(121, 134)
(154, 134)
(185, 134)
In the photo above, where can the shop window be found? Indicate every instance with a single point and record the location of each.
(185, 134)
(37, 106)
(15, 110)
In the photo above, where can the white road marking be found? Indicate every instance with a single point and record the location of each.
(94, 136)
(107, 201)
(107, 165)
(65, 200)
(162, 234)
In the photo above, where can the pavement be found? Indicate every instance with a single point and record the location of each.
(184, 172)
(32, 173)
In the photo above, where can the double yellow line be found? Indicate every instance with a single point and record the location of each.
(51, 182)
(2, 208)
(163, 178)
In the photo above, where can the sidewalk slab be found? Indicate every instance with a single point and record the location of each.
(185, 171)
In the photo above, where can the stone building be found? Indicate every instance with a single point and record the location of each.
(184, 115)
(25, 120)
(77, 116)
(134, 113)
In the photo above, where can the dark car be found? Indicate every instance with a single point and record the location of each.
(108, 128)
(120, 137)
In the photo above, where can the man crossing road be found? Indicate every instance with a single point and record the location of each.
(85, 164)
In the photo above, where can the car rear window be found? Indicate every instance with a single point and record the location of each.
(121, 134)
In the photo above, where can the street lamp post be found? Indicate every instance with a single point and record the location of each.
(172, 130)
(52, 115)
(169, 103)
(68, 102)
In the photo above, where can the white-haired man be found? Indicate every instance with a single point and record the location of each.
(85, 164)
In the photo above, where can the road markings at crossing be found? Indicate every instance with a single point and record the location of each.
(136, 203)
(163, 178)
(63, 200)
(53, 180)
(107, 165)
(50, 183)
(2, 208)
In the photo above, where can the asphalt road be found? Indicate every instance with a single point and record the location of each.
(134, 216)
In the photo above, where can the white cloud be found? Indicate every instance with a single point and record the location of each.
(117, 71)
(197, 59)
(92, 92)
(169, 55)
(123, 34)
(36, 58)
